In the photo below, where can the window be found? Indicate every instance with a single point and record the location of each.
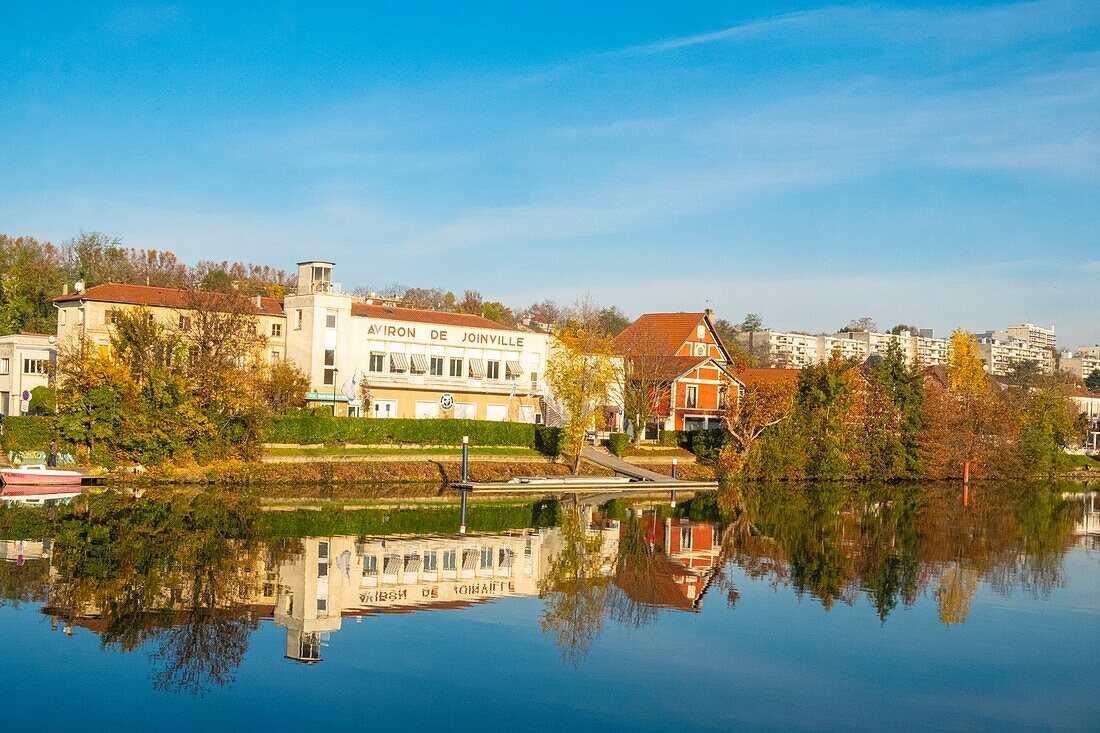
(322, 569)
(298, 318)
(431, 561)
(330, 367)
(252, 328)
(398, 363)
(275, 357)
(185, 323)
(504, 559)
(61, 316)
(5, 366)
(685, 538)
(492, 370)
(418, 363)
(377, 361)
(534, 379)
(330, 320)
(276, 329)
(36, 366)
(450, 558)
(701, 331)
(486, 557)
(691, 396)
(322, 549)
(456, 366)
(108, 317)
(322, 605)
(435, 367)
(370, 565)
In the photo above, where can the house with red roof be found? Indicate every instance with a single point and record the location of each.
(677, 370)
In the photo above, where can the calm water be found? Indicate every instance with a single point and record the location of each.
(762, 609)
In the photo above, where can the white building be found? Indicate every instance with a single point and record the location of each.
(1082, 363)
(1000, 351)
(797, 350)
(26, 362)
(1035, 335)
(408, 363)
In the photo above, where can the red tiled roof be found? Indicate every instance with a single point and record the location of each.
(664, 331)
(414, 315)
(155, 297)
(750, 376)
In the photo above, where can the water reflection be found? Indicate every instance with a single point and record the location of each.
(188, 579)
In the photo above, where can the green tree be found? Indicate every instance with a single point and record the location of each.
(1092, 381)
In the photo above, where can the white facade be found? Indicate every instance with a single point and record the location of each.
(413, 363)
(999, 350)
(26, 362)
(797, 350)
(1044, 338)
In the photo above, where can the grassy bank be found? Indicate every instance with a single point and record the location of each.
(315, 477)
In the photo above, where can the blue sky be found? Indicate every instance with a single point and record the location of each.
(925, 163)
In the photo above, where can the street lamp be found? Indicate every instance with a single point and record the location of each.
(335, 371)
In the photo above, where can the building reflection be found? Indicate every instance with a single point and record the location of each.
(334, 578)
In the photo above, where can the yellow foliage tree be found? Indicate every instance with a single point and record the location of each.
(965, 372)
(580, 371)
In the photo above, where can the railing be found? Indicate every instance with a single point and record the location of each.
(498, 386)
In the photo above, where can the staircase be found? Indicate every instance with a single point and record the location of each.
(553, 414)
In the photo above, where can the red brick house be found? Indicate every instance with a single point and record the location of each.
(677, 365)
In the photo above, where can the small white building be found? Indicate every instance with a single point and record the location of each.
(26, 362)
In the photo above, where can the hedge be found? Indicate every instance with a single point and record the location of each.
(703, 443)
(444, 520)
(28, 433)
(369, 431)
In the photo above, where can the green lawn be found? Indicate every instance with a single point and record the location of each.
(418, 451)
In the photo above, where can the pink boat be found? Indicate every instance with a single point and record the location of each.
(38, 475)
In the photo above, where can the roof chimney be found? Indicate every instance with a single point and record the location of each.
(65, 289)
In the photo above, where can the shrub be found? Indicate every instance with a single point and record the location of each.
(28, 433)
(317, 429)
(617, 443)
(548, 441)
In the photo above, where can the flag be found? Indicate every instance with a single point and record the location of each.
(351, 387)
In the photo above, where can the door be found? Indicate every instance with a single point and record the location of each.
(384, 408)
(427, 409)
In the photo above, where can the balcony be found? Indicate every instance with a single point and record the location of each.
(456, 384)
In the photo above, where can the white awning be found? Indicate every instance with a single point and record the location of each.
(420, 363)
(513, 369)
(398, 362)
(477, 368)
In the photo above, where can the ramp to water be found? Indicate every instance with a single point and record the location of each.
(621, 467)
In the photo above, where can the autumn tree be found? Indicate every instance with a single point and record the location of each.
(763, 405)
(96, 398)
(968, 418)
(580, 371)
(648, 370)
(282, 387)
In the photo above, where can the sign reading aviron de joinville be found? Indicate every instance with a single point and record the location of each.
(443, 335)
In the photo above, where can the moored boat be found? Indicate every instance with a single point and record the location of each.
(39, 475)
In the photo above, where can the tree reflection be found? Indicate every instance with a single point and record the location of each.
(575, 588)
(175, 570)
(895, 544)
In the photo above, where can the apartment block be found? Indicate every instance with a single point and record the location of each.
(1082, 362)
(999, 350)
(797, 350)
(1044, 338)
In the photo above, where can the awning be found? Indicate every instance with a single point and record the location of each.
(513, 369)
(477, 368)
(420, 363)
(398, 362)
